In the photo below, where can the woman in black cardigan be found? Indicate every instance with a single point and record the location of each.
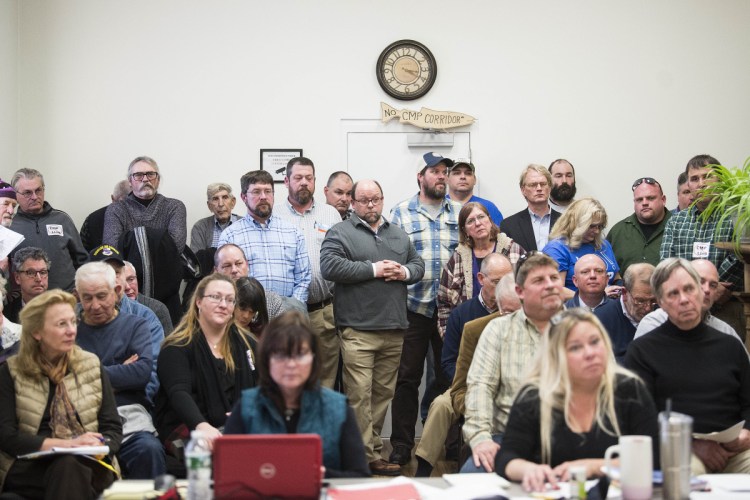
(203, 367)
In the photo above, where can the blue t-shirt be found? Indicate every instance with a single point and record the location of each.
(495, 214)
(567, 258)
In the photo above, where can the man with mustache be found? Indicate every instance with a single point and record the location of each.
(371, 261)
(461, 181)
(144, 206)
(431, 221)
(314, 220)
(563, 184)
(637, 238)
(274, 248)
(47, 228)
(206, 232)
(504, 351)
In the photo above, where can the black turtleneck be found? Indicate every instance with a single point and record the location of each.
(705, 372)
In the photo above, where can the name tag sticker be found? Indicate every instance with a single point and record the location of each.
(700, 250)
(54, 230)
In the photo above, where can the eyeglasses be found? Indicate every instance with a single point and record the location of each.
(28, 193)
(479, 218)
(148, 175)
(257, 193)
(534, 185)
(373, 201)
(643, 302)
(32, 273)
(600, 227)
(218, 299)
(302, 358)
(647, 180)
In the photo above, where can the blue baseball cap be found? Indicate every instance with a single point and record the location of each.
(431, 160)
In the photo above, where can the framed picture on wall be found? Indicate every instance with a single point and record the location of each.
(275, 160)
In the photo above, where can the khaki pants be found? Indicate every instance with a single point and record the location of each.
(738, 464)
(439, 420)
(324, 327)
(371, 360)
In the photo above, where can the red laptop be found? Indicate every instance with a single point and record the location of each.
(267, 466)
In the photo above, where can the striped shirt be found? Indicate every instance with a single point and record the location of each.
(275, 252)
(435, 239)
(503, 355)
(684, 229)
(314, 224)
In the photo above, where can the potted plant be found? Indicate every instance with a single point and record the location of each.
(729, 194)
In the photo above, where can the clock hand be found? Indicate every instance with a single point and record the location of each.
(415, 73)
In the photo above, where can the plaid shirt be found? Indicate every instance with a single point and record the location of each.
(685, 228)
(435, 240)
(275, 252)
(503, 355)
(457, 279)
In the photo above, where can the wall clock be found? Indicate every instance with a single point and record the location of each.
(406, 70)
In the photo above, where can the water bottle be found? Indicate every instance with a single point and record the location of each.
(198, 463)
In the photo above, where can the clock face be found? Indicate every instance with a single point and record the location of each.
(406, 70)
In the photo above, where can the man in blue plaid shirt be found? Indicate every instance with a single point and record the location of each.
(688, 237)
(431, 221)
(274, 248)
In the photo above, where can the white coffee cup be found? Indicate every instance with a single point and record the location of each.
(636, 466)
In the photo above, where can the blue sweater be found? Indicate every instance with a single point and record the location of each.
(621, 330)
(468, 311)
(114, 343)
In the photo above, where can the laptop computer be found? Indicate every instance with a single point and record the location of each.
(267, 466)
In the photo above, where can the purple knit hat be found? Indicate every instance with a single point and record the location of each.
(6, 190)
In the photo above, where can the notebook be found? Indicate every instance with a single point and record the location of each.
(267, 465)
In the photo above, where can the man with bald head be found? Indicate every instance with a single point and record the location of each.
(590, 276)
(371, 261)
(338, 193)
(621, 317)
(92, 230)
(710, 286)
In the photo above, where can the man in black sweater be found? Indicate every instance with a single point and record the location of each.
(705, 372)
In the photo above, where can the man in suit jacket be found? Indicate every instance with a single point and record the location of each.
(530, 227)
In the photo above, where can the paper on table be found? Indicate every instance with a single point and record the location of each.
(724, 436)
(81, 450)
(728, 482)
(8, 241)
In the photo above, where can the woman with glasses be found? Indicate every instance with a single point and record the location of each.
(478, 237)
(580, 231)
(204, 365)
(54, 394)
(575, 404)
(289, 398)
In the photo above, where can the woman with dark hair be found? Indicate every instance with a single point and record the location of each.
(204, 365)
(576, 402)
(252, 311)
(289, 398)
(478, 237)
(54, 394)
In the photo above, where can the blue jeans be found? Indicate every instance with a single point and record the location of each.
(469, 468)
(142, 457)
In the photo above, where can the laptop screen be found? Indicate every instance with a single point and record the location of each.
(267, 465)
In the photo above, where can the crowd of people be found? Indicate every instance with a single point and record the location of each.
(544, 341)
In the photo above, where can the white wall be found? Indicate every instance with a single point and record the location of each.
(8, 87)
(622, 89)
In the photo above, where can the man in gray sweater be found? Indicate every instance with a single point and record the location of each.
(371, 261)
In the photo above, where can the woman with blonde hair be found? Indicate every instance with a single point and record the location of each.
(578, 232)
(204, 365)
(478, 237)
(576, 402)
(54, 394)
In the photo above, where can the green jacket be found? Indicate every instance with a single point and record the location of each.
(631, 246)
